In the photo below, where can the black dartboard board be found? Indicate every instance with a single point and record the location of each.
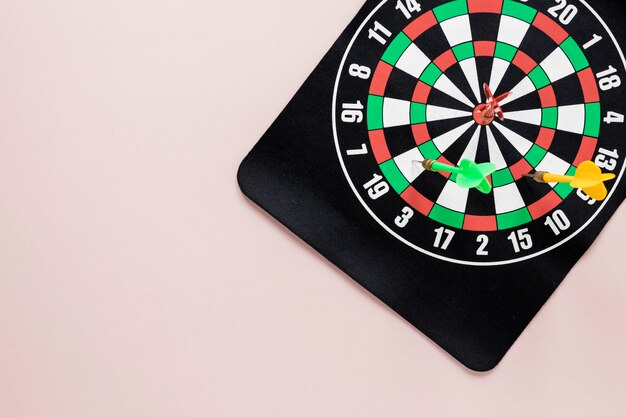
(342, 165)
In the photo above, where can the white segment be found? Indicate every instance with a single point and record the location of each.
(532, 117)
(407, 164)
(512, 30)
(572, 118)
(498, 70)
(495, 154)
(557, 65)
(445, 85)
(472, 147)
(457, 30)
(471, 73)
(524, 87)
(507, 198)
(520, 143)
(554, 164)
(435, 113)
(413, 61)
(452, 196)
(446, 140)
(396, 112)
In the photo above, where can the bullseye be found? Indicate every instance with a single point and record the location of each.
(480, 115)
(485, 113)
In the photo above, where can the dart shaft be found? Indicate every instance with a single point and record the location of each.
(438, 166)
(548, 177)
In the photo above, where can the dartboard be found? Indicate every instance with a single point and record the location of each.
(455, 158)
(408, 89)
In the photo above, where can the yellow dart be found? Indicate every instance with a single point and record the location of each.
(588, 177)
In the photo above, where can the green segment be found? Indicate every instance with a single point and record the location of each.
(505, 51)
(396, 49)
(431, 74)
(535, 155)
(502, 177)
(575, 54)
(519, 10)
(394, 176)
(429, 150)
(450, 10)
(464, 51)
(513, 219)
(564, 189)
(418, 113)
(374, 112)
(593, 118)
(549, 117)
(447, 216)
(539, 77)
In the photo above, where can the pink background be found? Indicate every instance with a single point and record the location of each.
(136, 280)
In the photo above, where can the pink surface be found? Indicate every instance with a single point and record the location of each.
(136, 280)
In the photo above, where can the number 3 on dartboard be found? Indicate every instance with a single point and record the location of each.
(403, 219)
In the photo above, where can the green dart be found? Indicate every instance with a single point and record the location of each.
(469, 174)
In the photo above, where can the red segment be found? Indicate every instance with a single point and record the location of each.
(480, 223)
(545, 138)
(379, 146)
(550, 28)
(547, 97)
(420, 25)
(484, 6)
(545, 205)
(445, 60)
(420, 133)
(520, 168)
(443, 160)
(417, 201)
(380, 78)
(588, 83)
(421, 93)
(586, 150)
(524, 62)
(484, 48)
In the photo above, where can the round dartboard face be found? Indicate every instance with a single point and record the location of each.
(408, 89)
